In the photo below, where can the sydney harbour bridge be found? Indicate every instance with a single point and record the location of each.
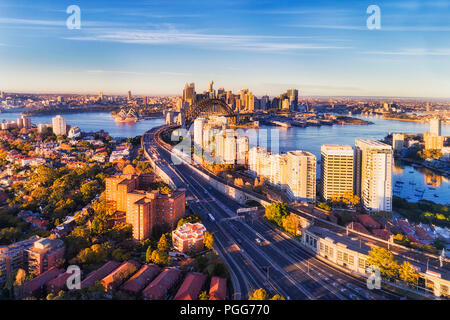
(208, 107)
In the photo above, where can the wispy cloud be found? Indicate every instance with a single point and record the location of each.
(412, 52)
(213, 41)
(114, 72)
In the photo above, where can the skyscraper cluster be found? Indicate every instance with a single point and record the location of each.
(244, 101)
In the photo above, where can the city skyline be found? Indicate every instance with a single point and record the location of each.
(323, 49)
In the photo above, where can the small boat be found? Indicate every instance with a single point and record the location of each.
(436, 196)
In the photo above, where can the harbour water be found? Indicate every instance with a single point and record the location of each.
(418, 183)
(409, 181)
(94, 121)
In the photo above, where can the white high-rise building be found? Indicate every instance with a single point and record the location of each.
(256, 160)
(374, 162)
(301, 175)
(229, 147)
(278, 170)
(242, 149)
(336, 170)
(59, 126)
(398, 142)
(199, 123)
(435, 127)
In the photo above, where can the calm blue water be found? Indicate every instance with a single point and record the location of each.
(95, 121)
(417, 183)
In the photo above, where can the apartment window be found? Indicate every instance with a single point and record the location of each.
(361, 263)
(339, 255)
(351, 260)
(322, 247)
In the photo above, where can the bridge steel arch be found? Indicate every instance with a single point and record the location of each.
(210, 106)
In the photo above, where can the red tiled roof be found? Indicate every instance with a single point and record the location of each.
(413, 238)
(58, 283)
(367, 221)
(99, 274)
(218, 289)
(163, 282)
(382, 233)
(142, 278)
(35, 284)
(191, 286)
(120, 273)
(357, 227)
(420, 231)
(405, 226)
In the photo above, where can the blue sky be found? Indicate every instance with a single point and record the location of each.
(155, 47)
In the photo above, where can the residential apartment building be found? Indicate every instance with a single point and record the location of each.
(373, 183)
(143, 209)
(336, 170)
(44, 254)
(13, 257)
(301, 175)
(188, 237)
(59, 126)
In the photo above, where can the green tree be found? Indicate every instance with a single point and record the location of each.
(208, 240)
(277, 297)
(384, 260)
(148, 255)
(408, 274)
(164, 243)
(160, 258)
(275, 212)
(259, 294)
(203, 296)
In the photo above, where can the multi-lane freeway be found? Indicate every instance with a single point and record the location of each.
(257, 254)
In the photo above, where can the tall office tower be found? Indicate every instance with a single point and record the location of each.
(435, 127)
(275, 103)
(230, 98)
(286, 104)
(242, 150)
(278, 170)
(373, 183)
(211, 91)
(189, 95)
(398, 142)
(100, 95)
(250, 102)
(243, 98)
(24, 122)
(386, 106)
(199, 124)
(129, 95)
(265, 102)
(238, 105)
(2, 95)
(336, 170)
(59, 126)
(301, 175)
(292, 95)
